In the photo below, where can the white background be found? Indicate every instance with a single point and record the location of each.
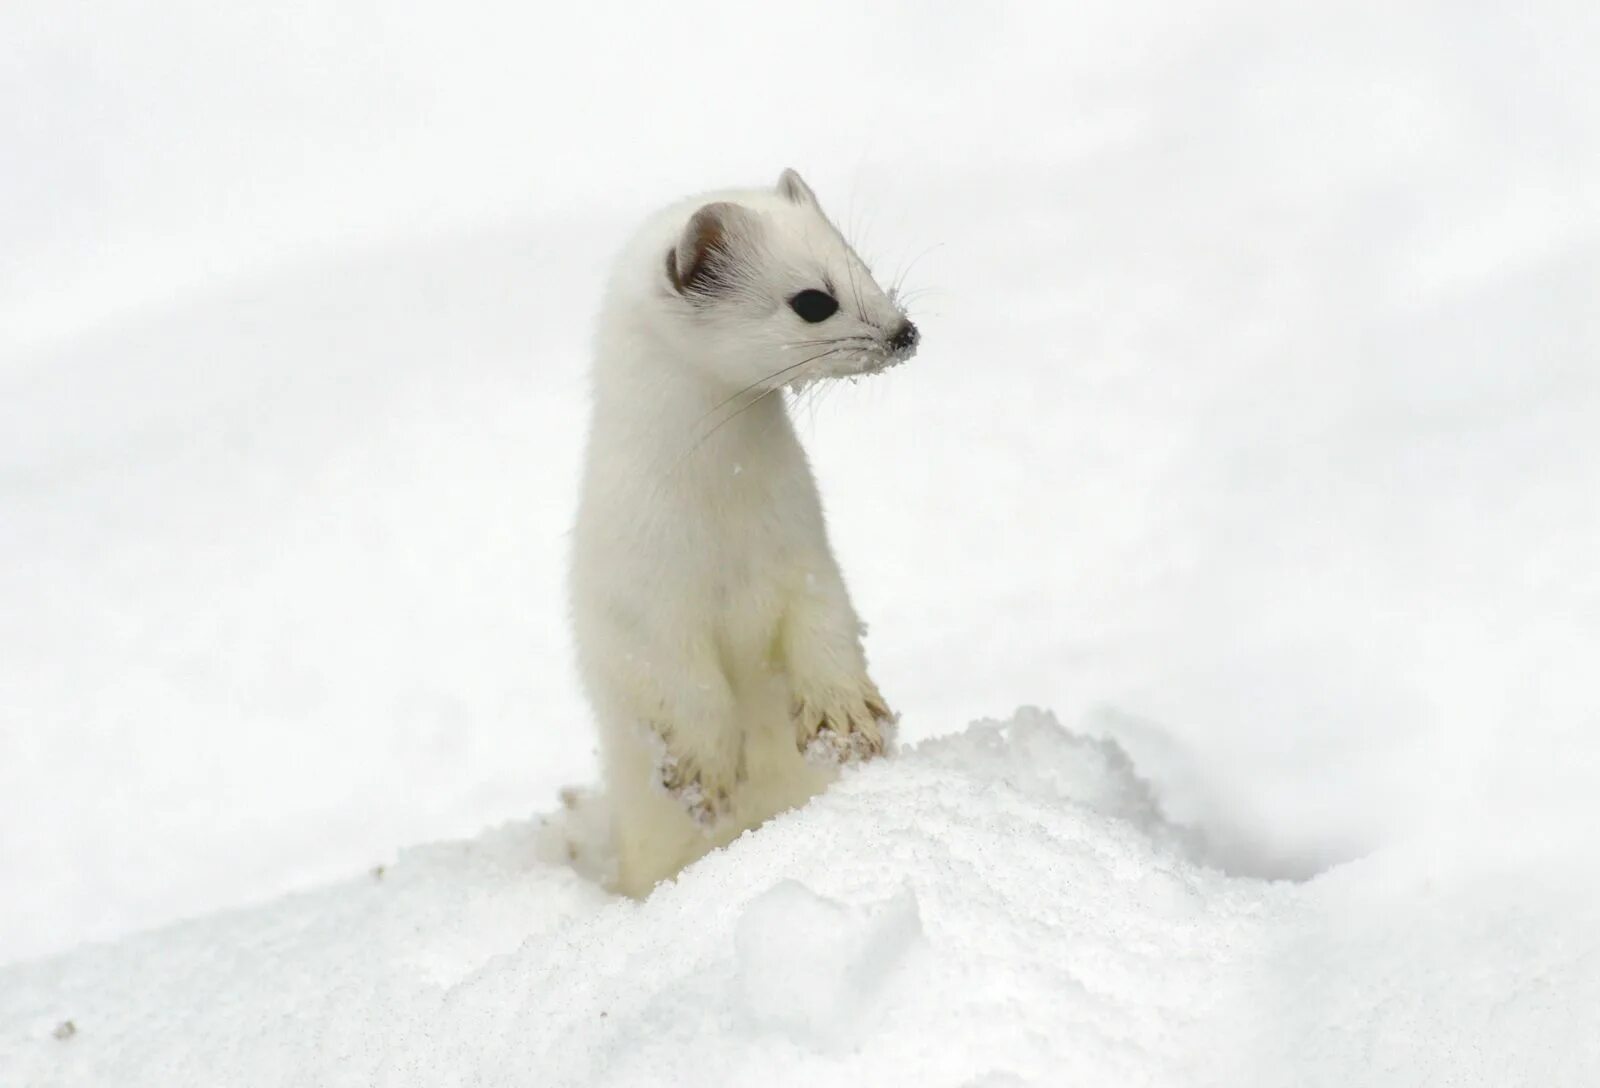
(1256, 421)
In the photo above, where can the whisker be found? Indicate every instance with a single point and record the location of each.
(855, 291)
(759, 382)
(900, 280)
(778, 374)
(920, 292)
(742, 410)
(856, 337)
(816, 393)
(823, 389)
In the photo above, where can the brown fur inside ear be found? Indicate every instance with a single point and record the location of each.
(704, 254)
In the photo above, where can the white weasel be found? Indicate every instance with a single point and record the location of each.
(714, 634)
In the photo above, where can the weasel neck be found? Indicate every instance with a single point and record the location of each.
(679, 421)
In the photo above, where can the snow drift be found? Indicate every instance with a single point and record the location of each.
(1005, 906)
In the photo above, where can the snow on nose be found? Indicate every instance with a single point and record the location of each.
(905, 338)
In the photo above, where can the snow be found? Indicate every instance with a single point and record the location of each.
(1001, 903)
(817, 970)
(1254, 432)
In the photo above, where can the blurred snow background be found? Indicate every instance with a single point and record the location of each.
(1256, 423)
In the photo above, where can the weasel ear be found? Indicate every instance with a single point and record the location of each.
(793, 187)
(703, 260)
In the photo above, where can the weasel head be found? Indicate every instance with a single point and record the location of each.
(764, 290)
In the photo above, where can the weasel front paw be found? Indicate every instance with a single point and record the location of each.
(702, 793)
(845, 728)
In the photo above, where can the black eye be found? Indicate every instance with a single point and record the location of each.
(814, 305)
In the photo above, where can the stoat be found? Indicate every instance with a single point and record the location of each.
(715, 637)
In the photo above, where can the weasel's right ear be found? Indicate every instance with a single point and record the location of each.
(704, 259)
(794, 188)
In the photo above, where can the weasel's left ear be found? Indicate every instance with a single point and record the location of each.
(794, 188)
(716, 240)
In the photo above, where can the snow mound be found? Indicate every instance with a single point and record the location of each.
(812, 968)
(1006, 906)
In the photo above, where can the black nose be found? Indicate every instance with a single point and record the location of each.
(905, 337)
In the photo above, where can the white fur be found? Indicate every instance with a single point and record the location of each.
(715, 637)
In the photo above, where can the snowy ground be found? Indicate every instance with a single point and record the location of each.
(1256, 427)
(1001, 907)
